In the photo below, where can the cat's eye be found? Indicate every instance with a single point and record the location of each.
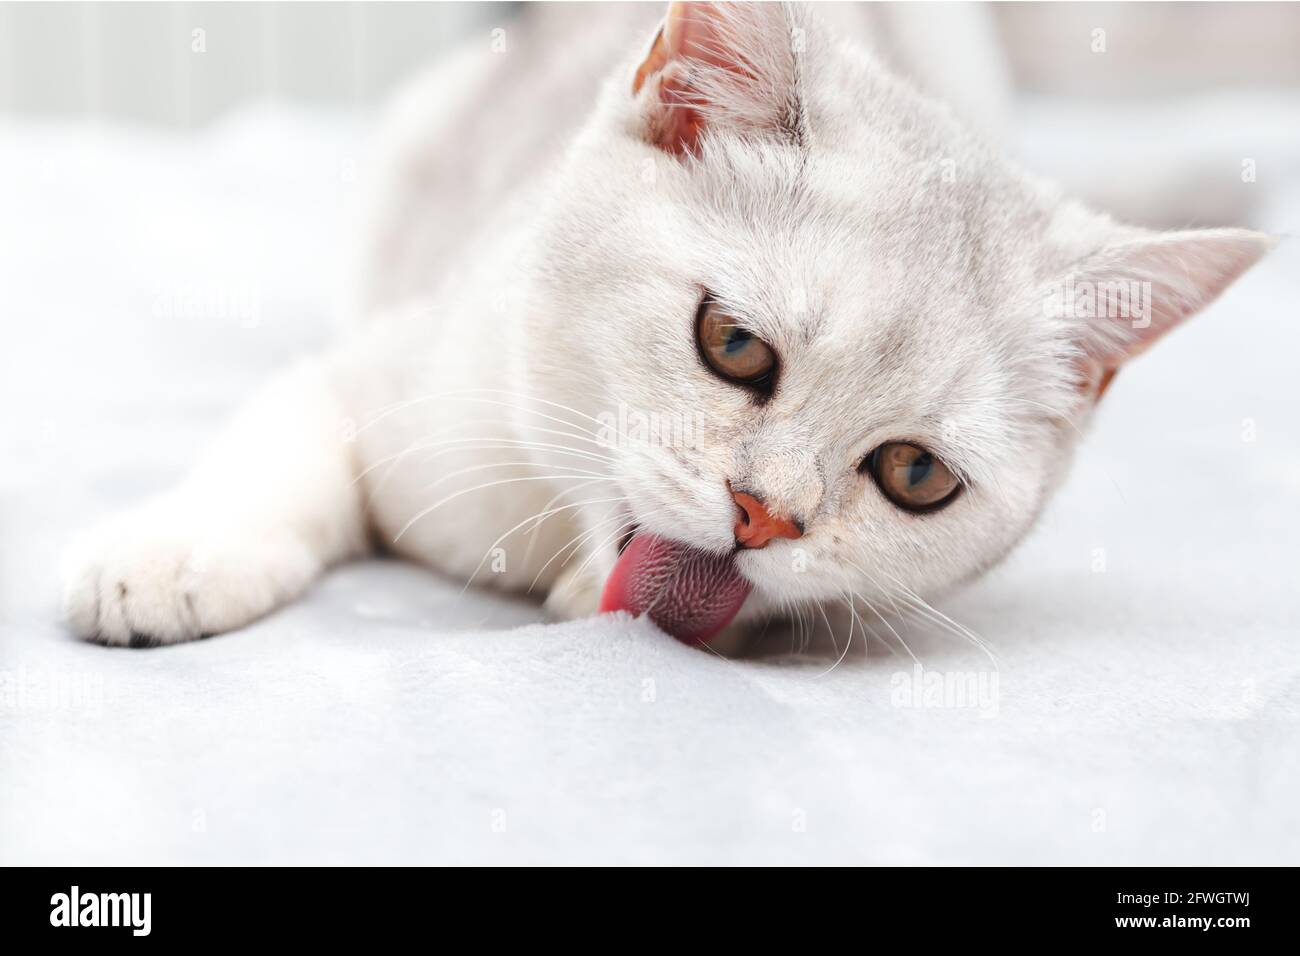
(733, 352)
(911, 477)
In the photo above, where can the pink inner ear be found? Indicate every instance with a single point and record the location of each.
(1172, 275)
(690, 32)
(675, 126)
(653, 62)
(1094, 378)
(695, 31)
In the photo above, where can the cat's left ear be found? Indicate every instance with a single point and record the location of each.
(1135, 291)
(719, 64)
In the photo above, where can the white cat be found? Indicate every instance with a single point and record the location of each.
(870, 341)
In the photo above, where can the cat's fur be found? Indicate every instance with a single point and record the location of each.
(539, 250)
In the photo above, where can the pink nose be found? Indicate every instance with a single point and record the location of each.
(759, 526)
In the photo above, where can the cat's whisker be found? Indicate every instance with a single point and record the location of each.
(508, 426)
(425, 512)
(474, 395)
(866, 645)
(536, 526)
(872, 607)
(796, 616)
(885, 621)
(456, 444)
(572, 545)
(534, 517)
(847, 602)
(780, 614)
(588, 436)
(927, 611)
(839, 660)
(579, 539)
(448, 437)
(583, 434)
(484, 443)
(917, 603)
(716, 653)
(790, 611)
(505, 464)
(830, 630)
(539, 520)
(608, 539)
(383, 411)
(864, 630)
(439, 449)
(461, 442)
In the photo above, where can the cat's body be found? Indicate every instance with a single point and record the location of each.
(546, 228)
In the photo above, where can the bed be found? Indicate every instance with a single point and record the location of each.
(1142, 704)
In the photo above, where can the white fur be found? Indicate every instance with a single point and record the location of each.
(272, 505)
(535, 265)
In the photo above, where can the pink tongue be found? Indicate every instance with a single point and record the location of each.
(689, 593)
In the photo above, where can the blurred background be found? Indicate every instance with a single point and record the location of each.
(186, 63)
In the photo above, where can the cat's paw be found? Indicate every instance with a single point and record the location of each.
(148, 581)
(575, 594)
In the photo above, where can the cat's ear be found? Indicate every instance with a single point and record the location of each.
(713, 64)
(1131, 293)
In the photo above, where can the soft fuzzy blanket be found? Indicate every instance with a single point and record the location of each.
(1144, 708)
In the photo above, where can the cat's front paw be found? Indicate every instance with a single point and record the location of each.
(575, 594)
(148, 581)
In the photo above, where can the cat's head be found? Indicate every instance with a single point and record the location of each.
(854, 312)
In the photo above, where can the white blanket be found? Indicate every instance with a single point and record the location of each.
(1145, 709)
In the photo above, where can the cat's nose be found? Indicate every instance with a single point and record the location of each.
(757, 526)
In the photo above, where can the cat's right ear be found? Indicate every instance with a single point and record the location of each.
(1130, 294)
(714, 64)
